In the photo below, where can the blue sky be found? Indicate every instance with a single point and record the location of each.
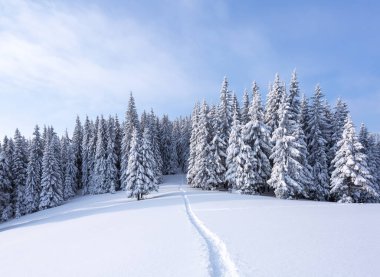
(62, 58)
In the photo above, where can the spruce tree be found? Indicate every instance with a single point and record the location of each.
(147, 161)
(85, 155)
(245, 108)
(193, 145)
(5, 187)
(34, 173)
(51, 183)
(8, 178)
(101, 185)
(317, 147)
(20, 164)
(131, 123)
(256, 135)
(70, 168)
(351, 179)
(77, 144)
(273, 104)
(135, 177)
(111, 160)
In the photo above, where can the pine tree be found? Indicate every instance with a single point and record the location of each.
(273, 105)
(351, 179)
(147, 161)
(135, 178)
(77, 144)
(5, 187)
(70, 169)
(20, 164)
(91, 157)
(131, 123)
(85, 155)
(101, 185)
(168, 153)
(111, 160)
(118, 139)
(9, 188)
(304, 116)
(51, 183)
(256, 135)
(193, 145)
(156, 141)
(233, 150)
(245, 108)
(202, 159)
(317, 148)
(290, 176)
(34, 173)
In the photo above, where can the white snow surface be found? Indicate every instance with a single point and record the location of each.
(181, 231)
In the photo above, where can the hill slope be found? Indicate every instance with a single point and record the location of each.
(185, 232)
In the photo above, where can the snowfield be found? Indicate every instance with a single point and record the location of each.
(181, 231)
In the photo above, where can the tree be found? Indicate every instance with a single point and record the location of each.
(245, 108)
(111, 160)
(351, 179)
(34, 173)
(77, 143)
(86, 155)
(147, 160)
(168, 150)
(51, 184)
(273, 104)
(135, 178)
(5, 187)
(70, 168)
(317, 148)
(20, 164)
(290, 177)
(256, 135)
(100, 166)
(131, 123)
(193, 145)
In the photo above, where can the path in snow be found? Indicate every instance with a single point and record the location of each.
(220, 262)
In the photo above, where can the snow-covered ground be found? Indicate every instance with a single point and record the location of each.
(186, 232)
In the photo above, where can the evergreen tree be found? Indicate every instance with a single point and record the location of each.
(85, 155)
(118, 139)
(70, 169)
(233, 150)
(77, 144)
(202, 159)
(91, 157)
(147, 161)
(111, 161)
(290, 176)
(168, 151)
(317, 148)
(156, 141)
(193, 145)
(135, 176)
(131, 123)
(8, 178)
(351, 179)
(304, 116)
(256, 135)
(273, 105)
(34, 172)
(5, 187)
(20, 164)
(51, 183)
(245, 108)
(101, 185)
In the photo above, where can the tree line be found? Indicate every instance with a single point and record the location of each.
(102, 156)
(297, 147)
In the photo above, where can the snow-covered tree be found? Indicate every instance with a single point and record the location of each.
(19, 169)
(85, 155)
(135, 178)
(233, 150)
(34, 173)
(147, 161)
(317, 147)
(51, 183)
(202, 159)
(70, 168)
(131, 123)
(273, 104)
(256, 135)
(351, 179)
(168, 151)
(5, 187)
(111, 160)
(77, 143)
(290, 177)
(100, 165)
(245, 108)
(193, 144)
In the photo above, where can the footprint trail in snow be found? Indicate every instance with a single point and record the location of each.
(220, 262)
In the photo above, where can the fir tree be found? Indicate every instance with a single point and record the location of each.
(351, 179)
(34, 173)
(77, 144)
(233, 150)
(273, 105)
(131, 123)
(70, 169)
(317, 148)
(111, 161)
(51, 183)
(20, 164)
(85, 155)
(193, 145)
(245, 108)
(101, 185)
(5, 187)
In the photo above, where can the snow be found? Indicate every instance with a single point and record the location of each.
(175, 231)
